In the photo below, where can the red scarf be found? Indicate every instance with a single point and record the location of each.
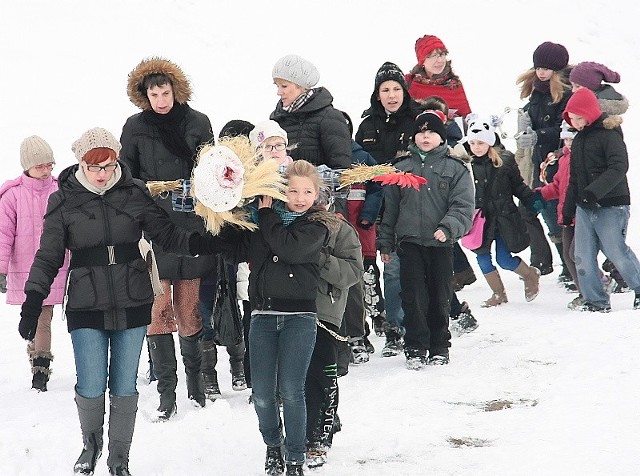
(446, 85)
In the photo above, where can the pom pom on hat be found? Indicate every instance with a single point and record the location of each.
(390, 72)
(94, 139)
(34, 151)
(482, 130)
(297, 70)
(426, 45)
(583, 103)
(550, 55)
(566, 131)
(591, 75)
(264, 130)
(433, 121)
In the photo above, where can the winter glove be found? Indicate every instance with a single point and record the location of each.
(567, 221)
(536, 205)
(3, 283)
(365, 225)
(527, 139)
(524, 120)
(31, 309)
(588, 200)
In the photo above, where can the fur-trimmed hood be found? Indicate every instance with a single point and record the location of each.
(138, 96)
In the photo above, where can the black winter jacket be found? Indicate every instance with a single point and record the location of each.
(285, 261)
(495, 189)
(112, 297)
(387, 137)
(599, 164)
(148, 159)
(318, 131)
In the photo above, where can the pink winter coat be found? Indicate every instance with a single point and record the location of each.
(23, 203)
(558, 188)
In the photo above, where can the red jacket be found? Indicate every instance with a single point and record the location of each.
(558, 188)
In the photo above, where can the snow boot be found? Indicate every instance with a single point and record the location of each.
(393, 345)
(151, 377)
(499, 295)
(378, 324)
(209, 374)
(122, 421)
(464, 321)
(463, 278)
(91, 415)
(274, 464)
(531, 278)
(359, 354)
(236, 363)
(416, 358)
(294, 469)
(40, 368)
(316, 456)
(191, 350)
(163, 354)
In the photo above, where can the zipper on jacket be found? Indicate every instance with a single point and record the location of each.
(113, 297)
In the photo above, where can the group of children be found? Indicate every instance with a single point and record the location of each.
(308, 276)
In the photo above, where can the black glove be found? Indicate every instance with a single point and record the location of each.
(31, 309)
(567, 221)
(588, 200)
(3, 283)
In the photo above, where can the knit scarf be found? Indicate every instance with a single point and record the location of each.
(542, 86)
(84, 181)
(447, 78)
(168, 125)
(286, 216)
(299, 101)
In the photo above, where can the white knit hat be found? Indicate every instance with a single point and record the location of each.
(34, 151)
(482, 130)
(265, 129)
(297, 70)
(93, 139)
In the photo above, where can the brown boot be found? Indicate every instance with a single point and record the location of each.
(499, 295)
(531, 278)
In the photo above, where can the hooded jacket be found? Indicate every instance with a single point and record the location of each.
(23, 202)
(445, 202)
(318, 131)
(112, 297)
(148, 159)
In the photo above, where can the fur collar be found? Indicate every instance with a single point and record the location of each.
(181, 85)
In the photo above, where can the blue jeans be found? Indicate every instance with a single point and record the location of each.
(504, 258)
(394, 315)
(93, 367)
(603, 228)
(280, 349)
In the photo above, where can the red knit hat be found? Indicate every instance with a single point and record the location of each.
(583, 103)
(426, 45)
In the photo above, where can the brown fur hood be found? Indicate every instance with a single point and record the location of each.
(138, 96)
(328, 219)
(611, 122)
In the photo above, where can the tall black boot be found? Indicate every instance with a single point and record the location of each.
(40, 368)
(236, 362)
(91, 414)
(209, 374)
(191, 350)
(122, 421)
(163, 354)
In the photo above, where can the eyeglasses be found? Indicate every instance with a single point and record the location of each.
(435, 55)
(280, 146)
(97, 168)
(41, 167)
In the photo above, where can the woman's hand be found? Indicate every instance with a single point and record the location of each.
(440, 235)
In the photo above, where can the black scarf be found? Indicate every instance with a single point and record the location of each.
(542, 86)
(171, 134)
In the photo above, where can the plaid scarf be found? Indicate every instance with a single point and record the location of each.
(286, 216)
(447, 78)
(299, 101)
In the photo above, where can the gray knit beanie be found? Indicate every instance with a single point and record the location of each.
(297, 70)
(34, 151)
(93, 139)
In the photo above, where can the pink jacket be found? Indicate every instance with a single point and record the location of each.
(23, 203)
(558, 188)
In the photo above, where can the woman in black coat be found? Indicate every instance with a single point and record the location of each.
(99, 214)
(498, 180)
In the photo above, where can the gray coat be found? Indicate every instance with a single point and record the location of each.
(445, 202)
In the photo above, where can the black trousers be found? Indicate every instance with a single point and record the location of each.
(321, 388)
(426, 281)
